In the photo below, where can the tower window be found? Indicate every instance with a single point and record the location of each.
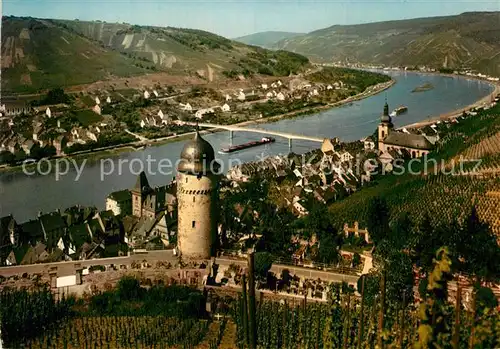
(186, 179)
(193, 224)
(383, 134)
(194, 197)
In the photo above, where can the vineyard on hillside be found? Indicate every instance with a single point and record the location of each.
(442, 197)
(124, 332)
(448, 189)
(347, 323)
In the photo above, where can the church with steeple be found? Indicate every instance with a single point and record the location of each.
(416, 145)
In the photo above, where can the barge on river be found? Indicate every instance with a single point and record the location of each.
(400, 110)
(252, 144)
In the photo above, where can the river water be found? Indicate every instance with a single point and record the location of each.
(25, 195)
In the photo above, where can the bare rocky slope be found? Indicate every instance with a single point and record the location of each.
(44, 53)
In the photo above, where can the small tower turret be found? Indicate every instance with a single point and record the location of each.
(139, 193)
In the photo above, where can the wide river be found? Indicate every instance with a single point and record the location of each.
(25, 195)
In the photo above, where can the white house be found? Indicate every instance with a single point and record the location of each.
(228, 97)
(186, 107)
(155, 93)
(97, 109)
(264, 86)
(201, 112)
(269, 95)
(146, 94)
(241, 96)
(91, 135)
(369, 144)
(274, 85)
(48, 112)
(160, 114)
(329, 87)
(346, 156)
(142, 123)
(279, 83)
(300, 209)
(225, 108)
(108, 100)
(97, 100)
(280, 96)
(315, 92)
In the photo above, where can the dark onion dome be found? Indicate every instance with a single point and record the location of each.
(197, 157)
(386, 118)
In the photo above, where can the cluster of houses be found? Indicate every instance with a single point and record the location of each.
(143, 217)
(12, 112)
(328, 176)
(76, 234)
(296, 89)
(44, 136)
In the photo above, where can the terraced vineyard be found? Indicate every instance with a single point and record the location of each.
(488, 146)
(442, 197)
(124, 332)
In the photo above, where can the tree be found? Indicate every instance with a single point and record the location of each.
(329, 246)
(399, 271)
(263, 262)
(128, 288)
(477, 248)
(378, 219)
(372, 286)
(317, 221)
(401, 231)
(485, 299)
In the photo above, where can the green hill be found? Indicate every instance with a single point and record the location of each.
(266, 39)
(37, 54)
(45, 53)
(470, 39)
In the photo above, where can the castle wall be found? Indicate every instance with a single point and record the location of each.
(197, 215)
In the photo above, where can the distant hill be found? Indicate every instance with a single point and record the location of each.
(470, 39)
(266, 39)
(45, 53)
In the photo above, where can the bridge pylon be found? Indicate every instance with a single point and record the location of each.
(289, 145)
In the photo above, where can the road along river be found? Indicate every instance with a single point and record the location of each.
(25, 195)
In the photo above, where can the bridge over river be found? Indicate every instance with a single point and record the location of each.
(235, 128)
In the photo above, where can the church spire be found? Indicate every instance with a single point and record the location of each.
(386, 118)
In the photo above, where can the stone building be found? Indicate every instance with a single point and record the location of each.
(147, 201)
(197, 197)
(390, 139)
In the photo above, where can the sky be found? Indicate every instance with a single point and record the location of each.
(237, 18)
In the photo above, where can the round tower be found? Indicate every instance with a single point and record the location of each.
(197, 199)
